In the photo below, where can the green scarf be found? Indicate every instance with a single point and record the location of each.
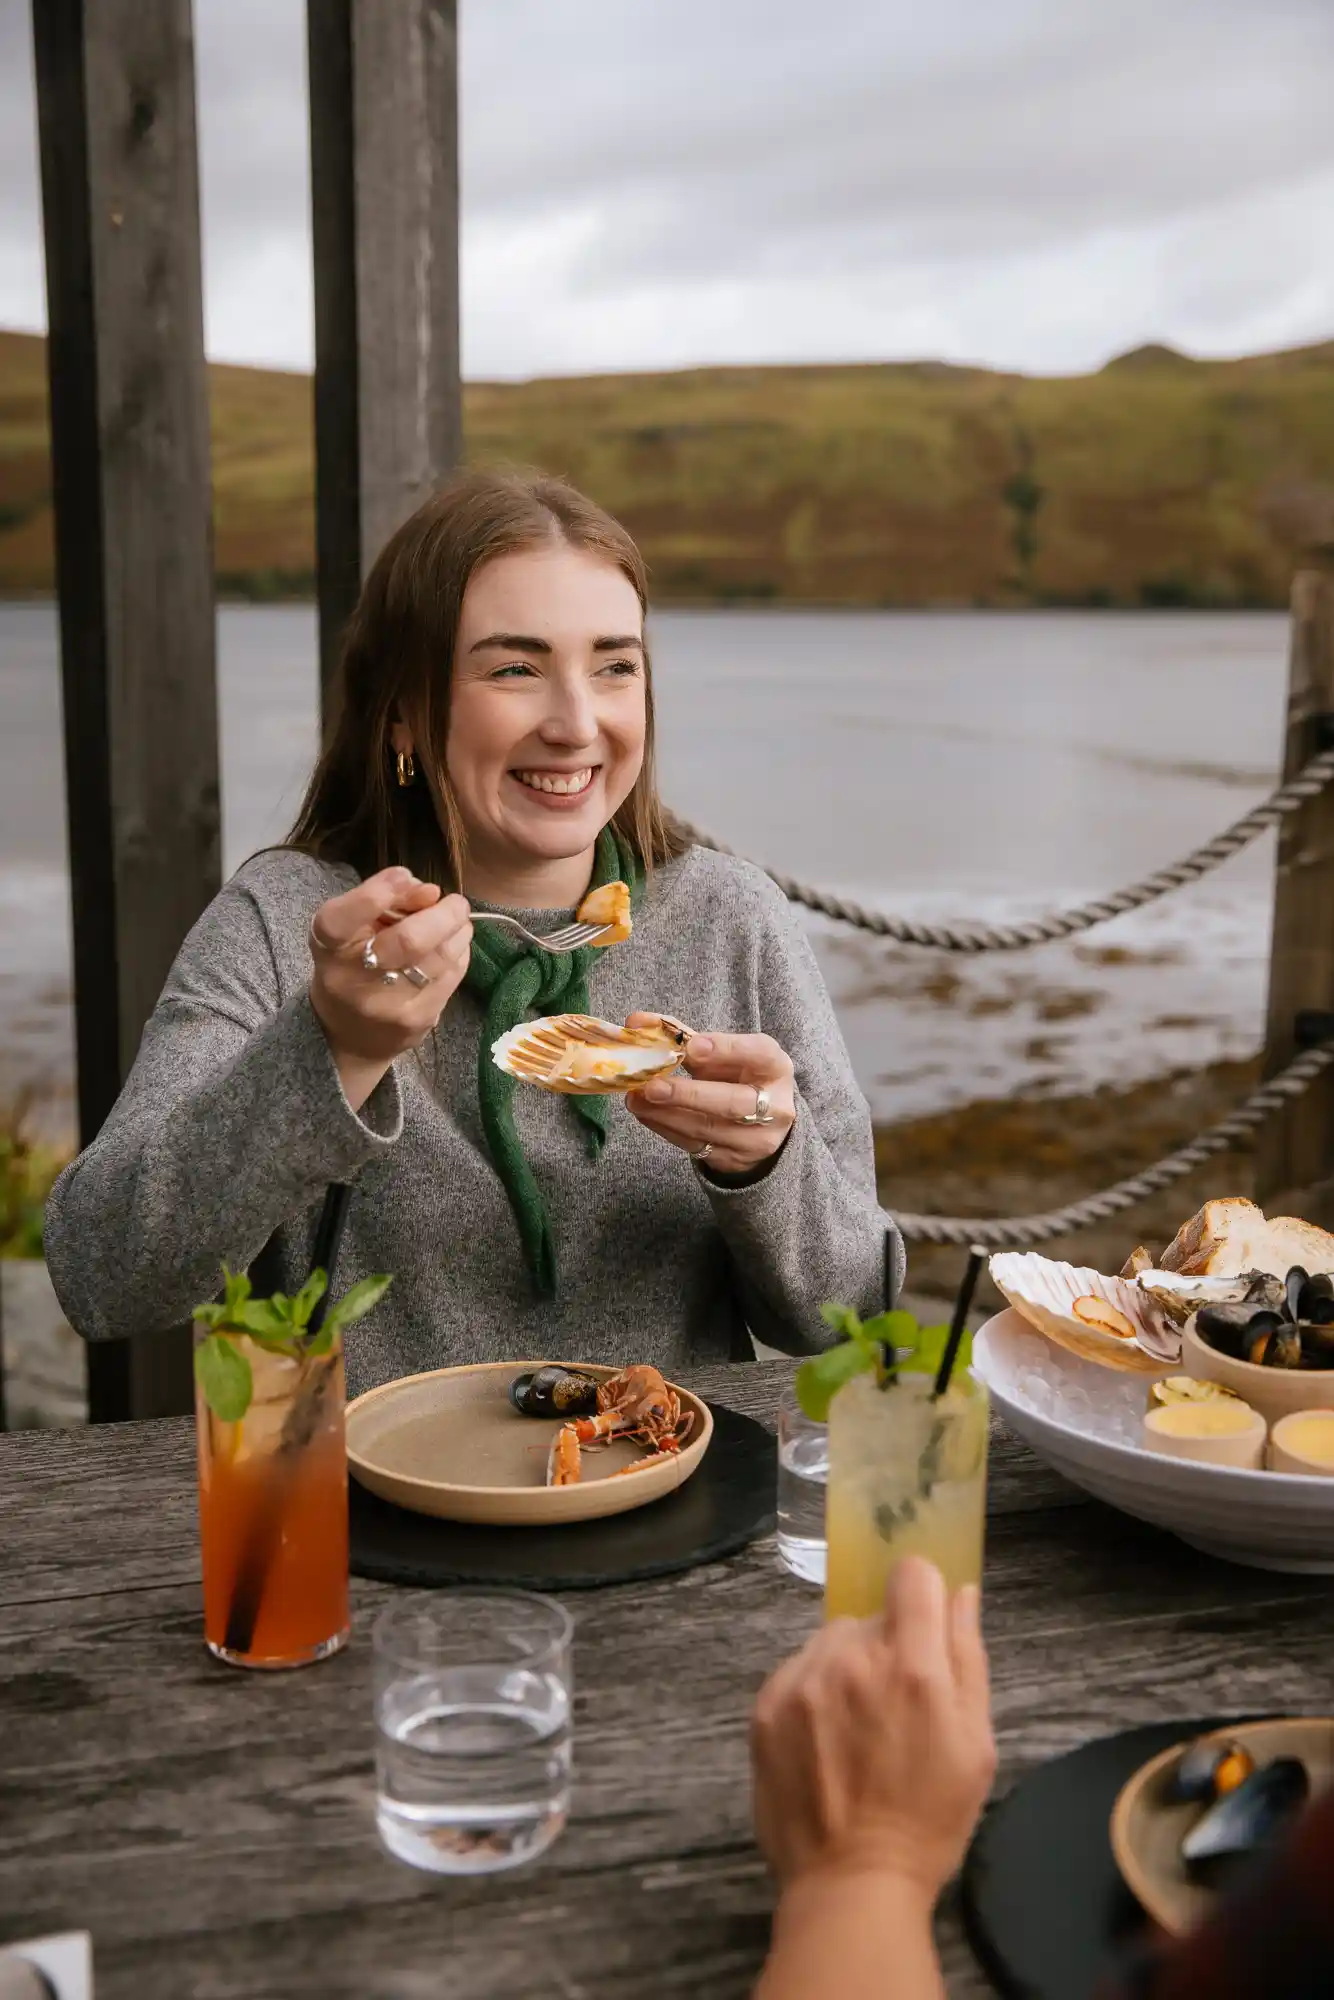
(513, 981)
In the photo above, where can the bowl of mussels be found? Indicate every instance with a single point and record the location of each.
(1193, 1819)
(1270, 1340)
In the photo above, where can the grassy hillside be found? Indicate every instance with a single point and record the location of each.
(1159, 480)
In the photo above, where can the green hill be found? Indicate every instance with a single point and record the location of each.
(1158, 480)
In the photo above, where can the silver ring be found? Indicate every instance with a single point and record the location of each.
(701, 1153)
(317, 943)
(369, 962)
(388, 979)
(763, 1112)
(416, 976)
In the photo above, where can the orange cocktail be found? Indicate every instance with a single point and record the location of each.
(273, 1509)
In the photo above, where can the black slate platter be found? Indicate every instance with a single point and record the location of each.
(727, 1503)
(1044, 1904)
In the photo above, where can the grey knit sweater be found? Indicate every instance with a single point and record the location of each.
(233, 1121)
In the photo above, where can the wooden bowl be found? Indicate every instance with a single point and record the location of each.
(1147, 1830)
(1274, 1392)
(450, 1443)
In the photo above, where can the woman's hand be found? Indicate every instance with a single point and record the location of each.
(704, 1112)
(872, 1748)
(368, 1021)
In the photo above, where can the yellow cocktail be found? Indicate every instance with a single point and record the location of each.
(907, 1476)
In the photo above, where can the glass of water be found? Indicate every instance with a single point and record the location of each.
(803, 1469)
(473, 1705)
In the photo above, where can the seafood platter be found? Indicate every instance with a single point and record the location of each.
(1194, 1389)
(527, 1443)
(1192, 1817)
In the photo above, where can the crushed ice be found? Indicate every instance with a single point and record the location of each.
(1079, 1395)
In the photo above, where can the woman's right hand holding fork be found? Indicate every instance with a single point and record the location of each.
(390, 923)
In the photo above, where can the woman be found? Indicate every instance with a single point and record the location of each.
(331, 1015)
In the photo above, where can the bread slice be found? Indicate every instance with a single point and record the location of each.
(1230, 1236)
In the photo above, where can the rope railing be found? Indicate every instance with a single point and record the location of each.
(1018, 1232)
(1288, 798)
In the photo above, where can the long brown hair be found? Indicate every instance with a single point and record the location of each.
(397, 664)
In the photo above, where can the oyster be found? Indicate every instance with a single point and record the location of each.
(608, 905)
(584, 1057)
(1179, 1296)
(1108, 1320)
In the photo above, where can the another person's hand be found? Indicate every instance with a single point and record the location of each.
(367, 1020)
(704, 1113)
(872, 1748)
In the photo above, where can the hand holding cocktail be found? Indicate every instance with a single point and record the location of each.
(873, 1755)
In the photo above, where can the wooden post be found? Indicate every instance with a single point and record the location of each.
(384, 200)
(130, 453)
(1295, 1152)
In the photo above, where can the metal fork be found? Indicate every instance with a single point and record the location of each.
(570, 938)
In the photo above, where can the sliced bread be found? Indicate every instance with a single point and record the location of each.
(1230, 1236)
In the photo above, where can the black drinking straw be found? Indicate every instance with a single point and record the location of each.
(976, 1259)
(252, 1571)
(890, 1289)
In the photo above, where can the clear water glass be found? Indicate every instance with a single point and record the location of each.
(803, 1469)
(474, 1699)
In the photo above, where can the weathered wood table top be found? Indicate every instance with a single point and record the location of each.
(214, 1829)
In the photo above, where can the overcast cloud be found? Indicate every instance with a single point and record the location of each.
(1034, 184)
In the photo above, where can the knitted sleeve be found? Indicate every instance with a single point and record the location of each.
(231, 1123)
(811, 1229)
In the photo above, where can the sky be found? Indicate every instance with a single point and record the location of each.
(1027, 184)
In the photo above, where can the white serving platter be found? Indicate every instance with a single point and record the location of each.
(1266, 1520)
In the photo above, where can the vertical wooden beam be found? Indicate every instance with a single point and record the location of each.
(384, 199)
(130, 453)
(1295, 1154)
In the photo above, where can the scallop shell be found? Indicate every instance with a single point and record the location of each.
(584, 1057)
(1046, 1293)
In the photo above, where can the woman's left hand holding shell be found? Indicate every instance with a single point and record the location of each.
(731, 1078)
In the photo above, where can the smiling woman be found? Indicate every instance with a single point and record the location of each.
(331, 1016)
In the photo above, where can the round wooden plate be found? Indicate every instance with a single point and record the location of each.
(1147, 1831)
(450, 1443)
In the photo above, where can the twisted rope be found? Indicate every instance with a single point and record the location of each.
(1020, 1230)
(1308, 784)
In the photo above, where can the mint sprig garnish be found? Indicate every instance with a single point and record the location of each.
(278, 1324)
(912, 1349)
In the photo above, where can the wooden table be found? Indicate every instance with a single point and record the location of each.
(213, 1829)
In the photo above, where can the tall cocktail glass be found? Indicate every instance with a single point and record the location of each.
(907, 1476)
(273, 1510)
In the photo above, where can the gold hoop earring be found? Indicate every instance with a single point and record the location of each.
(407, 769)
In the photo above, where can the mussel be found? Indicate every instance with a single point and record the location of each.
(1208, 1770)
(554, 1392)
(1246, 1820)
(1286, 1323)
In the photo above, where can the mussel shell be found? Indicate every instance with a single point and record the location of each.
(1275, 1347)
(1246, 1820)
(1208, 1770)
(1264, 1289)
(554, 1392)
(1232, 1329)
(1317, 1339)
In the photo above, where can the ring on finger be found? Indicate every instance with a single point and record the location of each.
(369, 962)
(701, 1153)
(416, 977)
(763, 1112)
(319, 947)
(388, 979)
